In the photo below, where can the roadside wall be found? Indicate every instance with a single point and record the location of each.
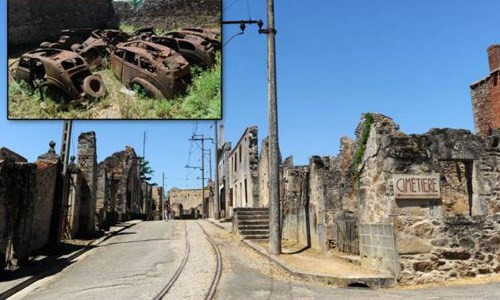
(17, 198)
(46, 182)
(170, 14)
(295, 201)
(32, 21)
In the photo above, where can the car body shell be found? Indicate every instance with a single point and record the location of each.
(195, 50)
(159, 69)
(211, 36)
(61, 69)
(98, 46)
(69, 37)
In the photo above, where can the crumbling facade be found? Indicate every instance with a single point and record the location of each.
(29, 207)
(124, 187)
(186, 203)
(223, 166)
(158, 203)
(486, 96)
(421, 208)
(244, 171)
(87, 163)
(17, 196)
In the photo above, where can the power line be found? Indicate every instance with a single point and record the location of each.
(229, 5)
(249, 12)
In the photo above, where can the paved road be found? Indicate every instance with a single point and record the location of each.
(135, 264)
(139, 262)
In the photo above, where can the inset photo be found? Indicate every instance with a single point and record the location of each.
(121, 59)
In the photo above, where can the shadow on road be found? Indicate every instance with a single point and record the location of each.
(138, 241)
(56, 261)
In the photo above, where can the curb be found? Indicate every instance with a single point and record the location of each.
(218, 225)
(372, 282)
(13, 290)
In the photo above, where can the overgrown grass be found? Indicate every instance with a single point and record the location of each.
(365, 134)
(202, 101)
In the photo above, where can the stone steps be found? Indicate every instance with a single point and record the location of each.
(253, 226)
(256, 237)
(254, 232)
(253, 223)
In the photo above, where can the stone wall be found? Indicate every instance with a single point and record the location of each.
(34, 21)
(417, 240)
(46, 183)
(8, 154)
(17, 199)
(145, 207)
(295, 202)
(74, 197)
(102, 196)
(170, 14)
(320, 213)
(264, 173)
(454, 236)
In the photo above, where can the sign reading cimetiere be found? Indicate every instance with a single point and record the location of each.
(417, 186)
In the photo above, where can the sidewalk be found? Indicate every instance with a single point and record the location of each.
(44, 266)
(228, 226)
(314, 265)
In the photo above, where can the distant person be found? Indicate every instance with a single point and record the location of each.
(165, 214)
(169, 214)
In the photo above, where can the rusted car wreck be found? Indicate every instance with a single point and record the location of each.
(60, 71)
(157, 65)
(156, 69)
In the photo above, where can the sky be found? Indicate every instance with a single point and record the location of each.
(410, 60)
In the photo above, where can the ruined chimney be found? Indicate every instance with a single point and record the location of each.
(494, 57)
(486, 96)
(221, 135)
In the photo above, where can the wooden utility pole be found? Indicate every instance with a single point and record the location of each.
(272, 114)
(216, 165)
(66, 140)
(144, 146)
(63, 205)
(162, 204)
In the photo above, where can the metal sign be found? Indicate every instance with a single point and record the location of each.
(417, 186)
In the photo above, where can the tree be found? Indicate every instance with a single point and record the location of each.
(145, 169)
(135, 3)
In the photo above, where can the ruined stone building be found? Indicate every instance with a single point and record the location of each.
(124, 187)
(243, 166)
(486, 95)
(186, 203)
(420, 208)
(223, 167)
